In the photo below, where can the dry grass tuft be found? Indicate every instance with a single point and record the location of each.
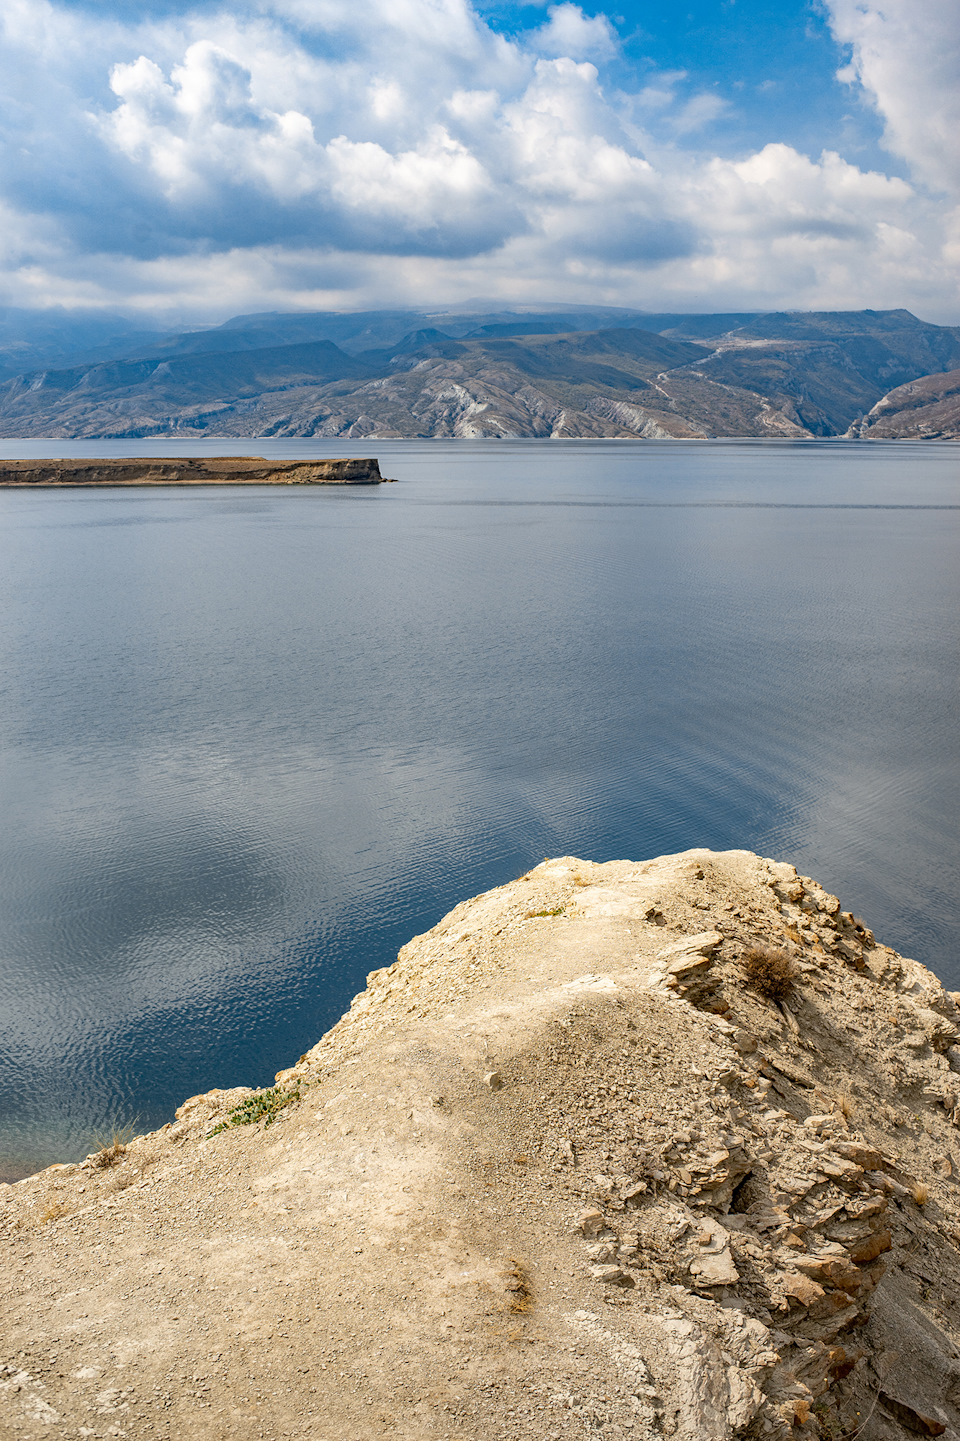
(109, 1155)
(112, 1151)
(518, 1289)
(53, 1212)
(921, 1193)
(770, 972)
(845, 1106)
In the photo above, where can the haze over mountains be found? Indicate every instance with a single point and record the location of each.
(556, 372)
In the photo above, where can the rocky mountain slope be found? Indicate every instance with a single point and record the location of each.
(567, 1169)
(925, 409)
(543, 374)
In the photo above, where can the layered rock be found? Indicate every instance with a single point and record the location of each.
(789, 376)
(166, 470)
(925, 409)
(565, 1169)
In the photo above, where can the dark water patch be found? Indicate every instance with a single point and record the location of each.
(251, 742)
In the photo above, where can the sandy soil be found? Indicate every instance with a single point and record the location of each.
(560, 1172)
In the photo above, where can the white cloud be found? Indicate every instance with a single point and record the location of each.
(207, 141)
(778, 191)
(324, 153)
(570, 33)
(906, 55)
(841, 234)
(699, 112)
(661, 93)
(439, 189)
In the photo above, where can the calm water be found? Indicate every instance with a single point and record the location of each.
(253, 740)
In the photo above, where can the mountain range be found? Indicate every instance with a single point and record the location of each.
(557, 372)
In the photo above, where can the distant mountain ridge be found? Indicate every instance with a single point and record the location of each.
(30, 339)
(576, 372)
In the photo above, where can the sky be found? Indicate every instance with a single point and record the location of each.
(187, 162)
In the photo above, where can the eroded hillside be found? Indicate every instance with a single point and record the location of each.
(925, 409)
(791, 375)
(564, 1170)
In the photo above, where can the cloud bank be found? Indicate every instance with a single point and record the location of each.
(324, 154)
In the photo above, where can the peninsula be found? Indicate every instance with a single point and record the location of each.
(166, 470)
(632, 1150)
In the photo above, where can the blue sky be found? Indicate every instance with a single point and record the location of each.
(188, 162)
(774, 65)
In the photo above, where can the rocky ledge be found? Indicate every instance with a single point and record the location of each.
(218, 470)
(630, 1150)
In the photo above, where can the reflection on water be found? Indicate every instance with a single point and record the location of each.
(252, 741)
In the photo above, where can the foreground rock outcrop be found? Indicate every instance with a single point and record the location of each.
(166, 470)
(566, 1169)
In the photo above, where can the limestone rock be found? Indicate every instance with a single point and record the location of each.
(612, 1275)
(802, 1289)
(709, 1225)
(184, 470)
(591, 1223)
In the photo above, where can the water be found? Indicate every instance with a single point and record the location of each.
(253, 740)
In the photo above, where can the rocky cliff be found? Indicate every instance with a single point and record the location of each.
(925, 409)
(637, 1150)
(215, 470)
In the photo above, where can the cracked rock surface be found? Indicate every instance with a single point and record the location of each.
(561, 1171)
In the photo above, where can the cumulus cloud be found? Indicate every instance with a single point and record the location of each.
(570, 33)
(906, 55)
(310, 153)
(779, 212)
(208, 142)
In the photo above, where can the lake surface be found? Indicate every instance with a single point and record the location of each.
(253, 740)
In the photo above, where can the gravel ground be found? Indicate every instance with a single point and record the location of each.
(561, 1171)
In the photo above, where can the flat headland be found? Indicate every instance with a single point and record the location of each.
(170, 470)
(622, 1151)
